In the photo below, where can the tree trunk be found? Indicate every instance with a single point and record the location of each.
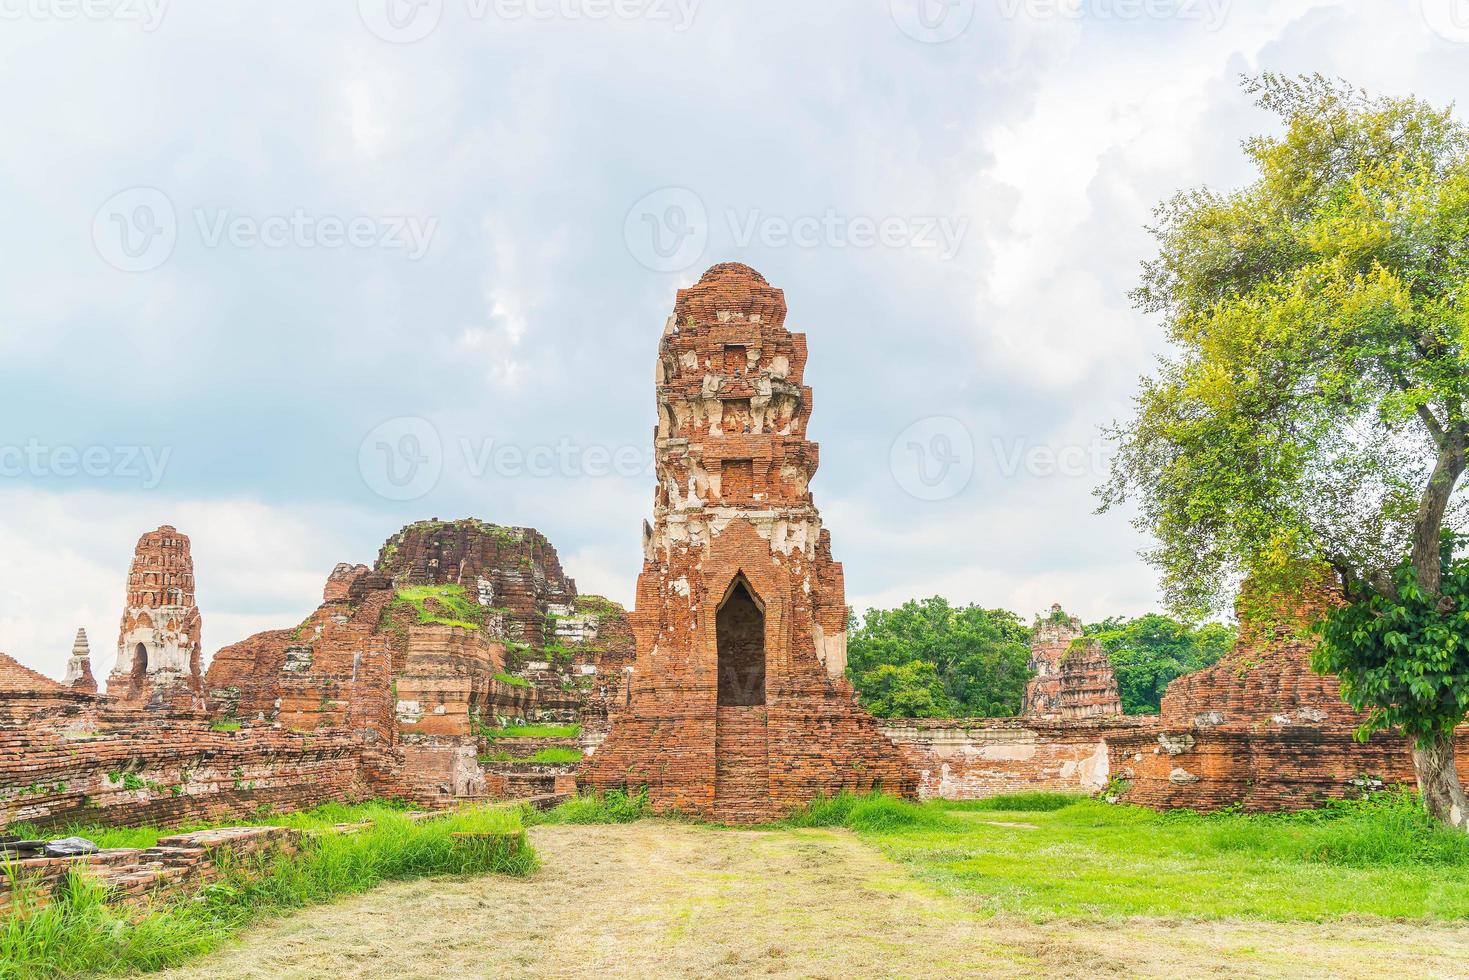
(1438, 781)
(1433, 506)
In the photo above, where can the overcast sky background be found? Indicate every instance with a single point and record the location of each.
(171, 351)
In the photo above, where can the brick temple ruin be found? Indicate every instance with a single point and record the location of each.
(372, 695)
(739, 705)
(723, 692)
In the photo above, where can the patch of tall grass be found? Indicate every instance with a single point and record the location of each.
(1021, 802)
(1386, 830)
(868, 813)
(79, 934)
(613, 806)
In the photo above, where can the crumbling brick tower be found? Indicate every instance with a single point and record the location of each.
(737, 707)
(158, 642)
(1073, 677)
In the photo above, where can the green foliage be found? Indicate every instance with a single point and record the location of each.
(224, 725)
(551, 756)
(928, 659)
(1149, 651)
(513, 680)
(447, 605)
(534, 731)
(597, 605)
(80, 935)
(1320, 321)
(912, 690)
(613, 806)
(1403, 658)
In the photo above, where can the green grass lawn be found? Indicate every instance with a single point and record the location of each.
(1049, 856)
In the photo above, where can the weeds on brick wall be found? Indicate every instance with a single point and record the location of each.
(551, 756)
(79, 934)
(512, 680)
(532, 731)
(446, 605)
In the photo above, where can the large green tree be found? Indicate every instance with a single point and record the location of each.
(974, 661)
(1315, 410)
(1149, 651)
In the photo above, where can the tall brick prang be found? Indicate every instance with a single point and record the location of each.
(79, 666)
(1073, 677)
(158, 642)
(737, 705)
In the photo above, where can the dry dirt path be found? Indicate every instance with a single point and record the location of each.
(657, 899)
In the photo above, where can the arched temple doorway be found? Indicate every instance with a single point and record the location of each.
(741, 743)
(739, 629)
(140, 663)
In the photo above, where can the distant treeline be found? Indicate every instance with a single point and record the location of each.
(928, 659)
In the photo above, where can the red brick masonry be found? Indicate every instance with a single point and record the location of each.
(739, 709)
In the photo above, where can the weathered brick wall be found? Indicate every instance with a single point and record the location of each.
(732, 510)
(972, 759)
(25, 694)
(177, 865)
(1262, 769)
(1261, 728)
(127, 767)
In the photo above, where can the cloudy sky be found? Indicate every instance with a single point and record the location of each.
(291, 275)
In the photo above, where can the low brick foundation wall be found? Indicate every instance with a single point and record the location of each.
(971, 759)
(1262, 768)
(170, 773)
(178, 865)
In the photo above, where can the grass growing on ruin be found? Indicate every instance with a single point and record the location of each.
(613, 806)
(551, 756)
(534, 731)
(445, 605)
(1045, 856)
(80, 935)
(318, 818)
(513, 680)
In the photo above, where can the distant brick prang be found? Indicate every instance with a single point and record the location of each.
(737, 708)
(158, 644)
(1260, 728)
(1073, 677)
